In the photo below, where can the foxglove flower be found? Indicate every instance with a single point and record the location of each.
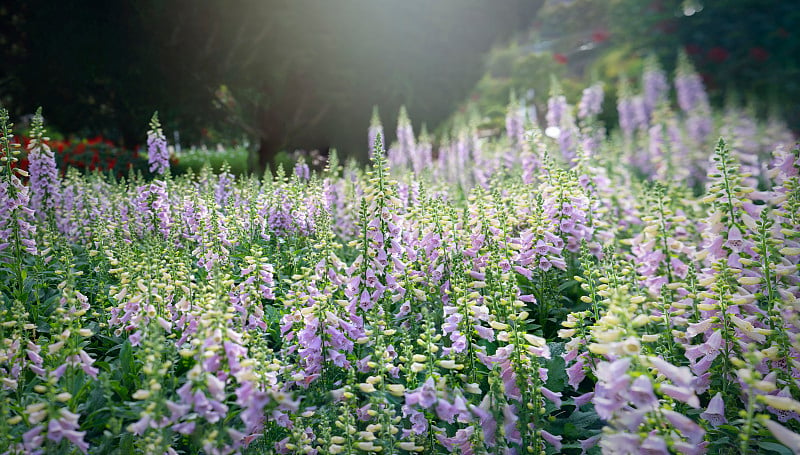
(44, 181)
(715, 412)
(591, 103)
(157, 152)
(375, 131)
(654, 85)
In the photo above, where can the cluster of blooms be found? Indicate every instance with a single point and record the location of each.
(491, 297)
(157, 151)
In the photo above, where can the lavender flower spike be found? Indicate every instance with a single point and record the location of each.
(45, 184)
(375, 130)
(157, 152)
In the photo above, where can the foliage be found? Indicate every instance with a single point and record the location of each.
(519, 292)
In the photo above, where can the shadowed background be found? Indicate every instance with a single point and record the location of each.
(305, 74)
(293, 74)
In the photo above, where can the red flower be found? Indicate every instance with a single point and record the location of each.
(718, 54)
(21, 164)
(599, 36)
(759, 54)
(560, 58)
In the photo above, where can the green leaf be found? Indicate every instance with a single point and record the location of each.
(126, 443)
(556, 372)
(774, 447)
(119, 389)
(126, 357)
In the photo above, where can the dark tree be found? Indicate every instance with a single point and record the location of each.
(293, 74)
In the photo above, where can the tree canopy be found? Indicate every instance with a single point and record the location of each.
(299, 74)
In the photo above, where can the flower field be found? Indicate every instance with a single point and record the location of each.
(551, 288)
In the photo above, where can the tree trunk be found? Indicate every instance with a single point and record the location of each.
(268, 148)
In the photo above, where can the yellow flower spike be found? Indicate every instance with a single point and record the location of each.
(608, 336)
(600, 349)
(765, 386)
(781, 403)
(498, 325)
(749, 280)
(55, 347)
(473, 388)
(449, 364)
(566, 333)
(535, 340)
(396, 389)
(410, 447)
(366, 387)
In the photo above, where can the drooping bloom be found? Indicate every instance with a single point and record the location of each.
(715, 413)
(784, 435)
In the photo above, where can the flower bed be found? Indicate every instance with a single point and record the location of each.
(631, 293)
